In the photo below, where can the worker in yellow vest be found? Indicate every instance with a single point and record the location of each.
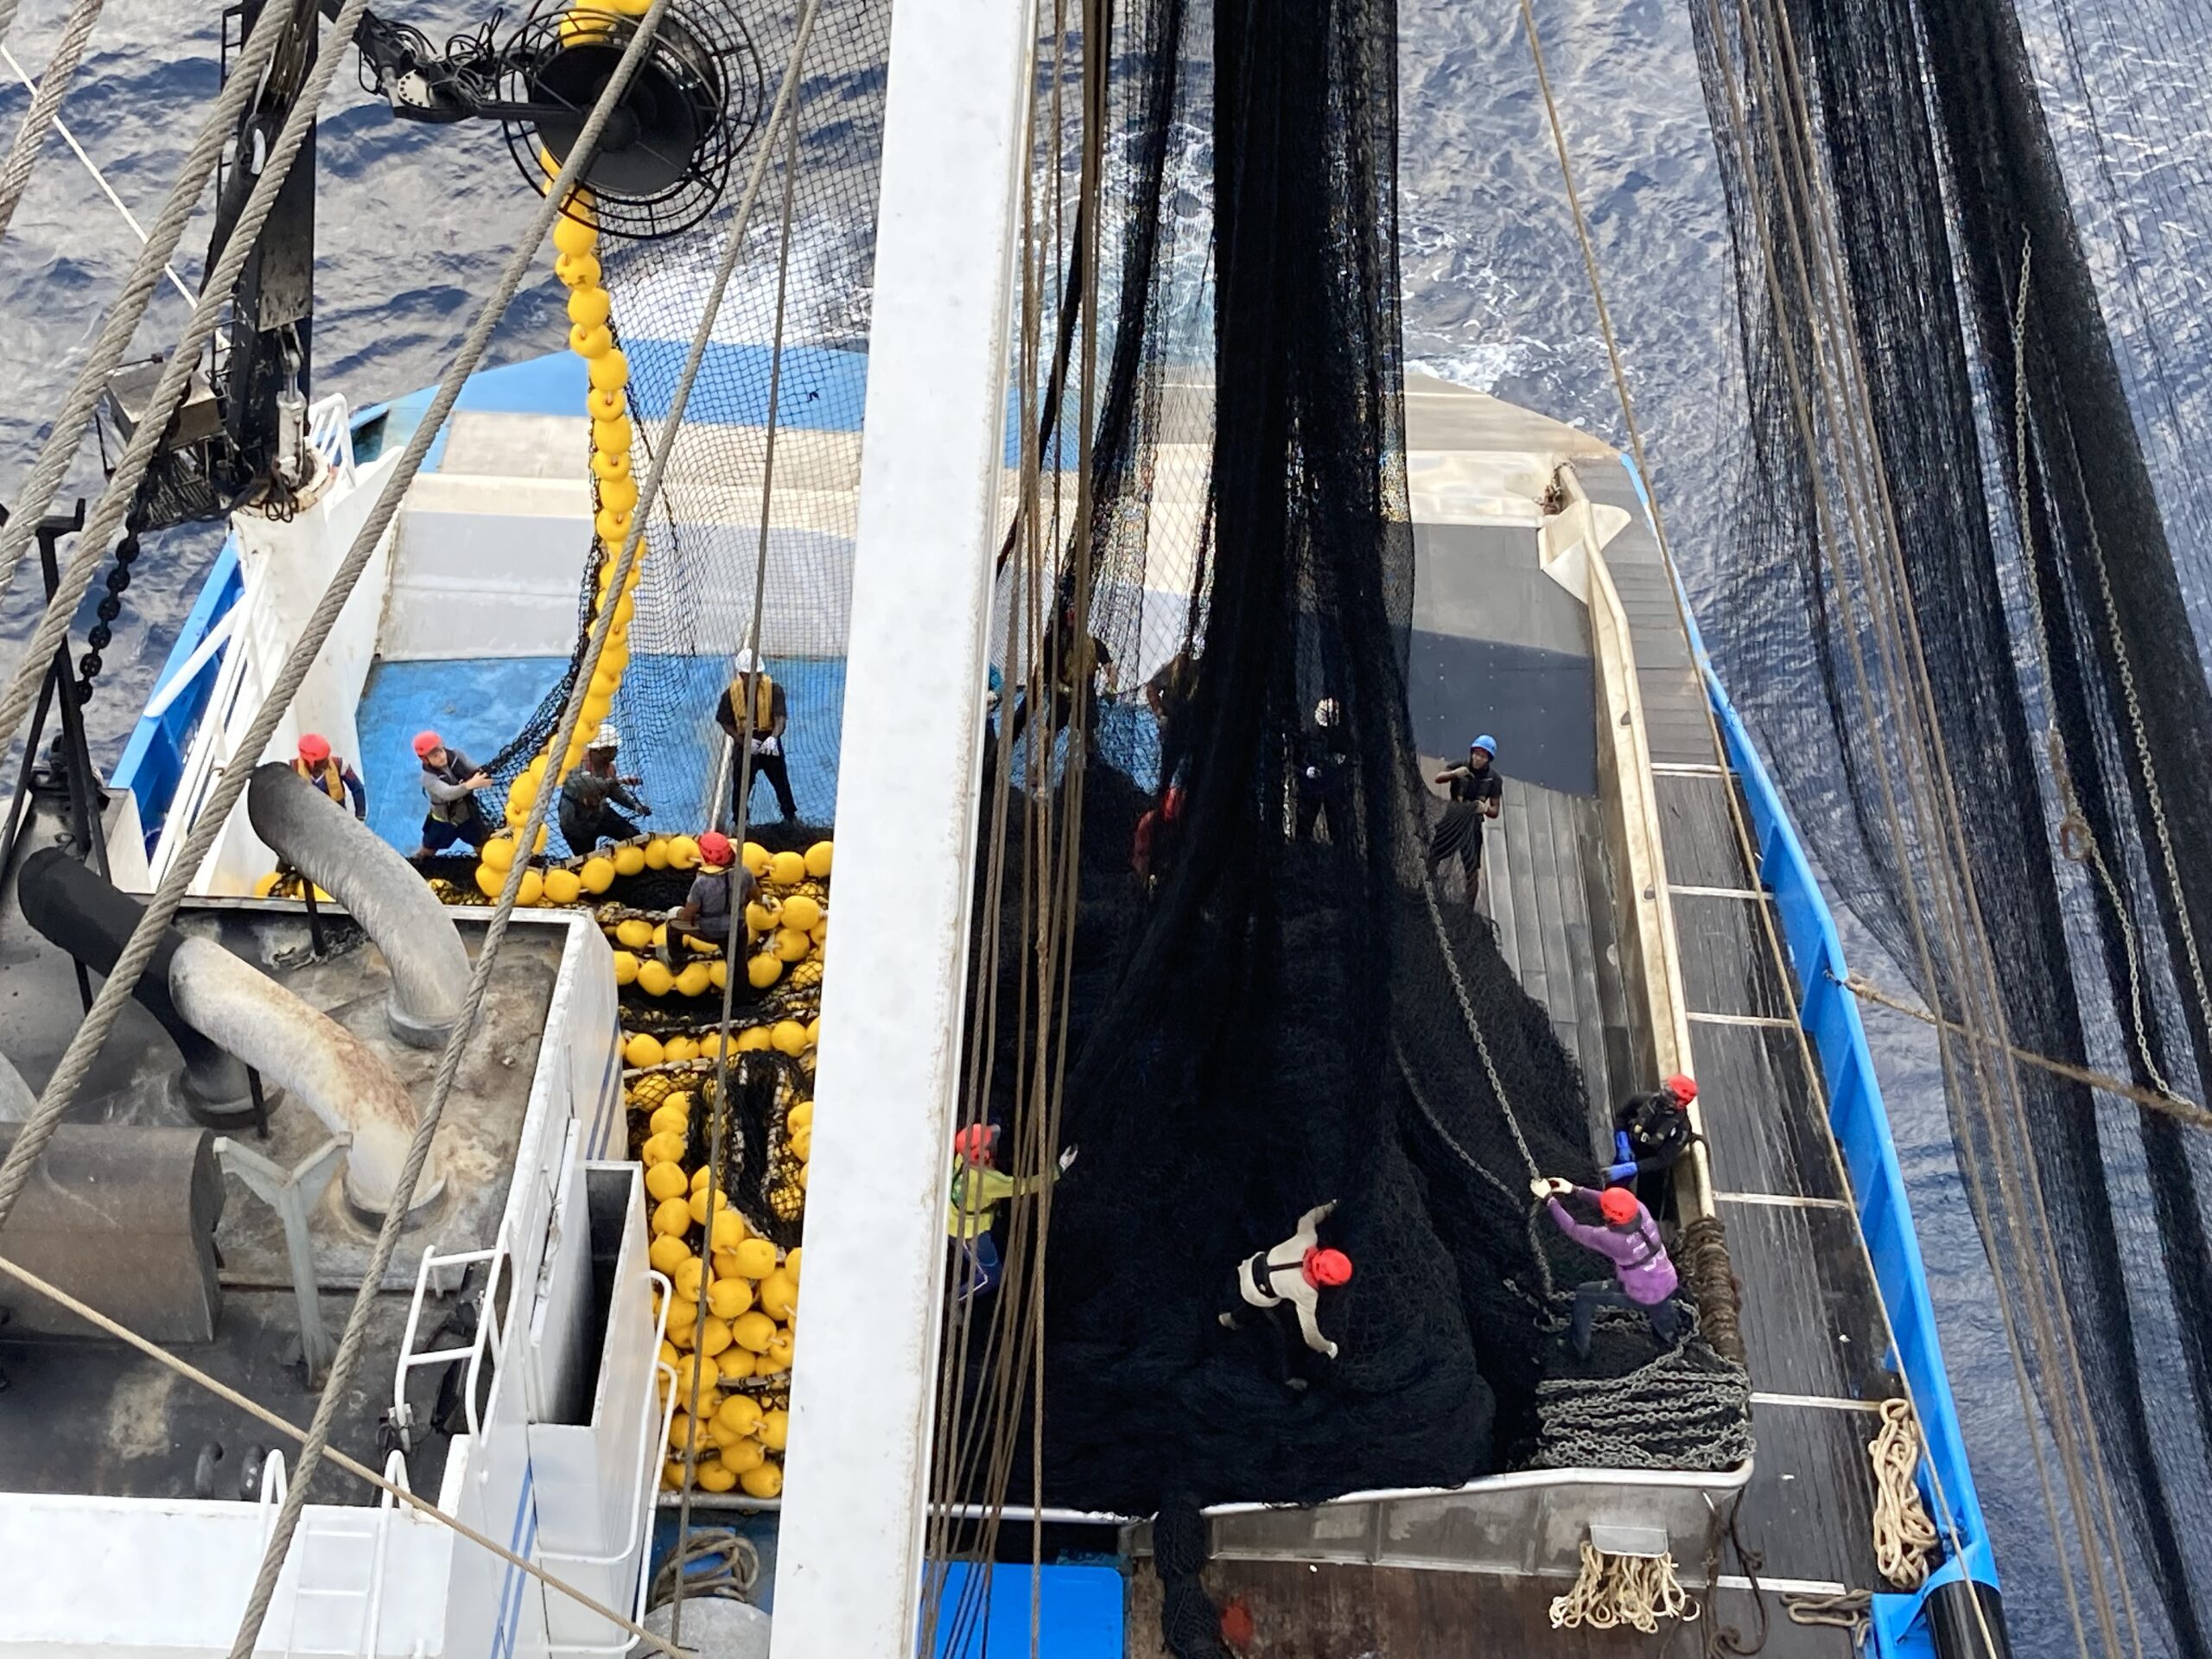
(769, 712)
(329, 774)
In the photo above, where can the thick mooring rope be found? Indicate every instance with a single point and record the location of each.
(1611, 1591)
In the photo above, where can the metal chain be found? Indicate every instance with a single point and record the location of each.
(1474, 1025)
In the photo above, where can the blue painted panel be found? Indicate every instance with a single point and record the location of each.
(479, 704)
(1079, 1613)
(153, 759)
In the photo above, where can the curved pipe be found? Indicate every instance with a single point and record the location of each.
(82, 913)
(344, 857)
(18, 1098)
(323, 1065)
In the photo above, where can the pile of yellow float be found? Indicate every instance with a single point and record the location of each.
(733, 1319)
(786, 923)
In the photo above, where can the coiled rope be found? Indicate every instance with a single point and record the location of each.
(1904, 1537)
(45, 106)
(70, 424)
(1611, 1591)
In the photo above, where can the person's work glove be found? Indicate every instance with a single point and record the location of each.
(1550, 1186)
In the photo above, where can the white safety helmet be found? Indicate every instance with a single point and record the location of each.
(609, 736)
(745, 665)
(1326, 712)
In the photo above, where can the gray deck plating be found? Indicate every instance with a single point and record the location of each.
(1813, 1323)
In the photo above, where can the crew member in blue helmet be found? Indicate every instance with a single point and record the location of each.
(1475, 794)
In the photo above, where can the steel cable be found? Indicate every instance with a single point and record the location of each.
(46, 107)
(60, 454)
(116, 501)
(449, 391)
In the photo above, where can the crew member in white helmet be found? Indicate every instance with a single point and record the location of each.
(1292, 1275)
(586, 818)
(768, 715)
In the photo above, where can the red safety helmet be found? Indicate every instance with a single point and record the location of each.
(1325, 1267)
(1682, 1087)
(975, 1142)
(424, 742)
(1618, 1205)
(314, 748)
(714, 848)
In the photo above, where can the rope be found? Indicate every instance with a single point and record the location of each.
(46, 107)
(735, 1580)
(1688, 1408)
(1851, 1610)
(1611, 1591)
(70, 425)
(113, 508)
(98, 177)
(571, 715)
(292, 1431)
(2180, 1107)
(1711, 1278)
(1904, 1538)
(731, 954)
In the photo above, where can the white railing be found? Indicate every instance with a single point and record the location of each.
(490, 1338)
(330, 431)
(648, 1478)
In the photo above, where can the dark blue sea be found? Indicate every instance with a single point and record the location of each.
(414, 220)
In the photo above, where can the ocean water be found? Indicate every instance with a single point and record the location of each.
(413, 221)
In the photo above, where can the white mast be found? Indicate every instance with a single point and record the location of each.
(848, 1574)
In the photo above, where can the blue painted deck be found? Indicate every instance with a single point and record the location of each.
(478, 703)
(1079, 1613)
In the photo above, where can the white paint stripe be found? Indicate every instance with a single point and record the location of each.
(1784, 1586)
(1689, 769)
(1715, 893)
(1821, 1401)
(1782, 1201)
(1777, 1021)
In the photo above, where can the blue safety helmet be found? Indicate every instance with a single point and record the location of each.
(1487, 744)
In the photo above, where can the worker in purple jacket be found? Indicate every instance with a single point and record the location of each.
(1643, 1278)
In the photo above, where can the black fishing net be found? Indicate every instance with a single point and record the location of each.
(731, 519)
(1263, 1022)
(1883, 255)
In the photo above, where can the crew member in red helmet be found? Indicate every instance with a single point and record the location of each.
(1293, 1274)
(978, 1188)
(1650, 1134)
(1643, 1275)
(329, 774)
(721, 888)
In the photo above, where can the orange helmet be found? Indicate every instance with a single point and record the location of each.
(714, 848)
(1325, 1267)
(1682, 1087)
(974, 1143)
(314, 748)
(426, 741)
(1618, 1205)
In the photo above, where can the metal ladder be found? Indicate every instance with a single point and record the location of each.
(339, 1558)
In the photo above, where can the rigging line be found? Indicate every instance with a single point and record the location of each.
(98, 178)
(38, 492)
(2074, 827)
(119, 497)
(2181, 1109)
(2042, 1323)
(1736, 806)
(211, 820)
(1467, 1013)
(734, 918)
(550, 207)
(45, 111)
(1912, 647)
(283, 1426)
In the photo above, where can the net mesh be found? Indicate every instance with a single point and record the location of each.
(1957, 609)
(705, 545)
(1263, 1016)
